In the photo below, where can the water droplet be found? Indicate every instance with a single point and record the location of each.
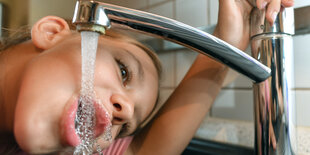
(85, 116)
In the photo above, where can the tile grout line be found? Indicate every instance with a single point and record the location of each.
(175, 54)
(209, 12)
(174, 10)
(301, 89)
(174, 69)
(156, 4)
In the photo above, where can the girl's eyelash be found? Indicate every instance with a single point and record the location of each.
(129, 73)
(124, 130)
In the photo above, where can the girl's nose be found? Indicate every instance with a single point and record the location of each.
(123, 108)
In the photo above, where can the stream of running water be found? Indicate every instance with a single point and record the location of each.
(85, 116)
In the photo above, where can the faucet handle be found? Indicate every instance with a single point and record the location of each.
(284, 22)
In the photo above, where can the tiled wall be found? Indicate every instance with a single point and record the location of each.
(40, 8)
(236, 99)
(15, 13)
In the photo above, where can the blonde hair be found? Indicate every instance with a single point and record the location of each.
(14, 37)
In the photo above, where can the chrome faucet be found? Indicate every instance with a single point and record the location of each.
(98, 16)
(271, 45)
(274, 99)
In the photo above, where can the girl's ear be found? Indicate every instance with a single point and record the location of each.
(48, 31)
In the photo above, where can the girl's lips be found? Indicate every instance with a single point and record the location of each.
(68, 126)
(103, 121)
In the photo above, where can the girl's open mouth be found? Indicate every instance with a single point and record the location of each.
(102, 124)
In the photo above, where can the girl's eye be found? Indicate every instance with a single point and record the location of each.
(124, 72)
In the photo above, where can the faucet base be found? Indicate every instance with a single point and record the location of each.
(274, 99)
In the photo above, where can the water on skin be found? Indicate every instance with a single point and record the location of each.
(85, 117)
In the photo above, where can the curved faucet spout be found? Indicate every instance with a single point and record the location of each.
(90, 13)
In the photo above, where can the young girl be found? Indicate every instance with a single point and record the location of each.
(40, 84)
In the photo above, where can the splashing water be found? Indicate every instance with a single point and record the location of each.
(85, 116)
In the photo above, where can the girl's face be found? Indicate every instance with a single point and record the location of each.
(126, 85)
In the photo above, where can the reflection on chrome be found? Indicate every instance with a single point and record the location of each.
(97, 16)
(274, 98)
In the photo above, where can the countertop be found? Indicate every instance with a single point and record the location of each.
(242, 133)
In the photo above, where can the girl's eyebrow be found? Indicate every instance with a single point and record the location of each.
(139, 64)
